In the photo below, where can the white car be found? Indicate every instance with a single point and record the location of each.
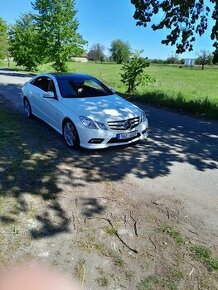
(85, 111)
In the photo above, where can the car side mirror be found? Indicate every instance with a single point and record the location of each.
(48, 95)
(113, 90)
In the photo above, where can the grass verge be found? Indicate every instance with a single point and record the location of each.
(201, 107)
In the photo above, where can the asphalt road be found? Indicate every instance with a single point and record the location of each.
(179, 159)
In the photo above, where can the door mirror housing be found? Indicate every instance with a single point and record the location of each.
(49, 95)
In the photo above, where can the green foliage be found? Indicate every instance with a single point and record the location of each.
(120, 51)
(184, 19)
(204, 57)
(205, 255)
(133, 72)
(96, 53)
(3, 39)
(23, 42)
(57, 27)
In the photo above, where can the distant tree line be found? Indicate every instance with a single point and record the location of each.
(119, 52)
(169, 60)
(203, 58)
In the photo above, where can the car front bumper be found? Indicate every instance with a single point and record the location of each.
(108, 138)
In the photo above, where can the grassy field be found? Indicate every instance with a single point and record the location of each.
(186, 89)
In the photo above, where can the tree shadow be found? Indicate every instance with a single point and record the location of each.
(90, 207)
(15, 73)
(34, 161)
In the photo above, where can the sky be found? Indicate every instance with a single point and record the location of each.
(102, 21)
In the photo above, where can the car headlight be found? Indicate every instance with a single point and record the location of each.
(144, 117)
(88, 123)
(101, 125)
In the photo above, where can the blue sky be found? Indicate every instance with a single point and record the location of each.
(105, 20)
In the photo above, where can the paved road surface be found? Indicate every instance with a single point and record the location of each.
(179, 160)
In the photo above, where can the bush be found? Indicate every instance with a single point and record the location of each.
(133, 72)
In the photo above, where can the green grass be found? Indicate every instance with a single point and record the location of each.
(186, 89)
(8, 127)
(205, 256)
(173, 234)
(110, 230)
(156, 282)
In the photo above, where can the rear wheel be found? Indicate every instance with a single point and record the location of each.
(27, 108)
(70, 134)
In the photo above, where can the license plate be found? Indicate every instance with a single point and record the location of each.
(125, 136)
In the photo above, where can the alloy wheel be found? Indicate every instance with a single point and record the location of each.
(70, 134)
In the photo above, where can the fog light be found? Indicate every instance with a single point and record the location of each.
(96, 141)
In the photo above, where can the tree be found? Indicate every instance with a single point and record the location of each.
(215, 57)
(133, 72)
(172, 60)
(120, 51)
(185, 19)
(204, 57)
(4, 53)
(23, 38)
(96, 53)
(57, 27)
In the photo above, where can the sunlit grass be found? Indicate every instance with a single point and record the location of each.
(191, 90)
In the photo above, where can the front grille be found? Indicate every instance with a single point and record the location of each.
(128, 124)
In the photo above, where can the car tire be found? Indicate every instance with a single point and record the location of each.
(70, 135)
(27, 108)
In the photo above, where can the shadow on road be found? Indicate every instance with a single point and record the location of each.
(14, 73)
(34, 161)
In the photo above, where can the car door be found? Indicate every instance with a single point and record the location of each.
(36, 90)
(52, 107)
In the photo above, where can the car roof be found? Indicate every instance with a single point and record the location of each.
(72, 76)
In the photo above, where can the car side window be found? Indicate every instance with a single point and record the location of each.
(45, 84)
(41, 83)
(51, 87)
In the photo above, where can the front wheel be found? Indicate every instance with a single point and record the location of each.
(27, 108)
(70, 135)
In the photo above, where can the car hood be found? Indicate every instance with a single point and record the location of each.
(110, 107)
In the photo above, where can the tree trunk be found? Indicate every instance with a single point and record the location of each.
(8, 59)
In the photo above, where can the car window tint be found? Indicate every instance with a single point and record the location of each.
(93, 85)
(67, 89)
(41, 83)
(82, 88)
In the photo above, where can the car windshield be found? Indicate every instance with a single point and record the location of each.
(82, 88)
